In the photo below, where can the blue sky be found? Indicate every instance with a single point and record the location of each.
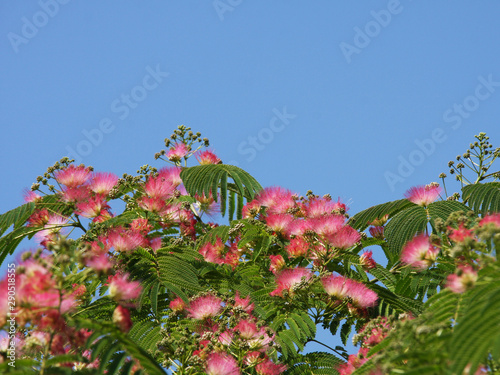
(361, 100)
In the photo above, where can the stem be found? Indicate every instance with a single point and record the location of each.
(326, 346)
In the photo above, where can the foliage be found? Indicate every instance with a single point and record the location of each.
(159, 289)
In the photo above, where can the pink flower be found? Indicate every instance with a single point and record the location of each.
(464, 279)
(100, 262)
(367, 261)
(423, 195)
(75, 194)
(121, 289)
(177, 152)
(171, 174)
(102, 183)
(213, 253)
(461, 234)
(247, 329)
(341, 287)
(72, 176)
(121, 317)
(493, 219)
(205, 307)
(280, 223)
(269, 368)
(326, 227)
(298, 247)
(344, 238)
(125, 240)
(221, 364)
(52, 228)
(159, 187)
(207, 157)
(290, 278)
(377, 232)
(92, 207)
(323, 207)
(276, 199)
(277, 263)
(31, 196)
(243, 303)
(419, 253)
(177, 305)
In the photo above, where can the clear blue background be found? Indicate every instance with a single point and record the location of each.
(231, 68)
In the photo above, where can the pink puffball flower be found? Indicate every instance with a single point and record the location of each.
(269, 368)
(277, 263)
(323, 207)
(464, 279)
(102, 183)
(461, 234)
(344, 238)
(159, 187)
(31, 196)
(72, 176)
(100, 262)
(280, 223)
(177, 152)
(52, 228)
(423, 195)
(205, 307)
(177, 305)
(367, 261)
(121, 289)
(75, 194)
(243, 303)
(341, 287)
(276, 199)
(92, 207)
(419, 253)
(377, 232)
(213, 253)
(121, 317)
(171, 174)
(126, 240)
(298, 247)
(247, 329)
(221, 364)
(493, 219)
(326, 227)
(207, 157)
(290, 278)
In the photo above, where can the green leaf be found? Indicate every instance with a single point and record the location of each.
(206, 179)
(443, 209)
(17, 217)
(482, 198)
(403, 227)
(361, 220)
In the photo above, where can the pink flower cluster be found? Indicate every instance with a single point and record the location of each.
(419, 253)
(214, 315)
(356, 293)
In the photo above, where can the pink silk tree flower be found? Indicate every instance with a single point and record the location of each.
(102, 182)
(464, 279)
(269, 368)
(72, 176)
(289, 278)
(122, 289)
(221, 364)
(423, 195)
(177, 152)
(204, 307)
(419, 253)
(341, 288)
(207, 157)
